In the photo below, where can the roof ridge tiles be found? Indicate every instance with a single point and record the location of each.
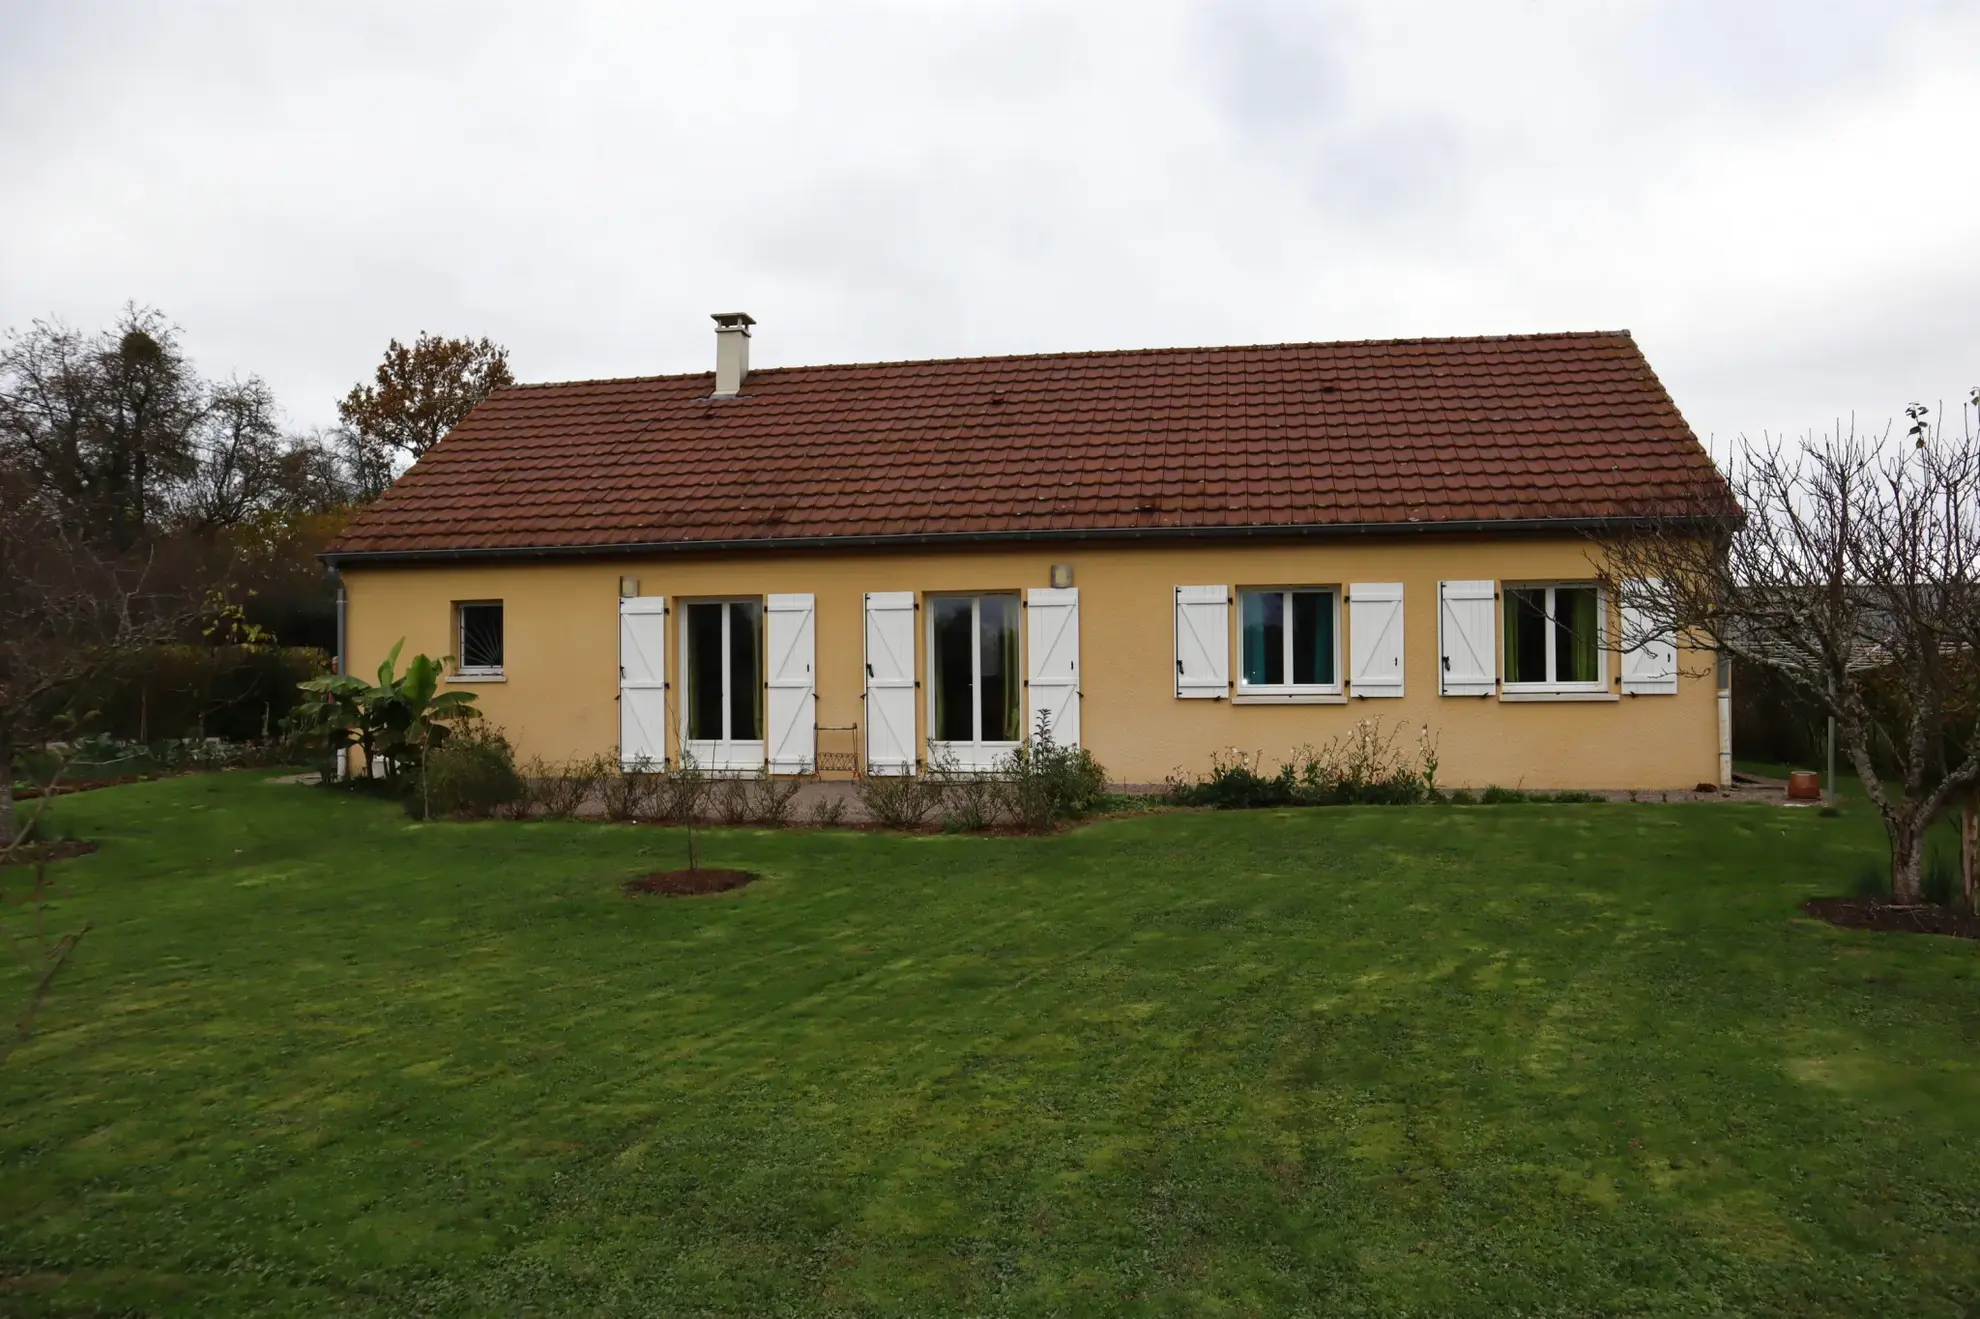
(1077, 354)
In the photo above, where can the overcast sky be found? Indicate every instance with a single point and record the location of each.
(1782, 200)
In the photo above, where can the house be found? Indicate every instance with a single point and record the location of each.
(1162, 553)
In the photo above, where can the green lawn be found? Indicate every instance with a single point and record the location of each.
(1558, 1060)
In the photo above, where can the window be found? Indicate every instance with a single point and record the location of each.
(723, 641)
(1290, 640)
(973, 650)
(479, 646)
(1554, 636)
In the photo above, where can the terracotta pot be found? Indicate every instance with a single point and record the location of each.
(1804, 785)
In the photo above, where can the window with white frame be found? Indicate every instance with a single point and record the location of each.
(722, 654)
(1291, 640)
(1554, 637)
(976, 696)
(478, 639)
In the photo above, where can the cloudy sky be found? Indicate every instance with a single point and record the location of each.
(1782, 200)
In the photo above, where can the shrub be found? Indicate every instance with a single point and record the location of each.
(1044, 782)
(560, 789)
(470, 775)
(1366, 766)
(1234, 783)
(237, 692)
(682, 789)
(1573, 796)
(770, 797)
(732, 800)
(969, 800)
(829, 812)
(1461, 797)
(629, 794)
(899, 801)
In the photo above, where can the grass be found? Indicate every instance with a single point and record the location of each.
(1548, 1060)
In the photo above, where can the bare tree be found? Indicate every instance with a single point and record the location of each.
(25, 930)
(309, 477)
(1853, 573)
(238, 451)
(70, 610)
(102, 423)
(366, 462)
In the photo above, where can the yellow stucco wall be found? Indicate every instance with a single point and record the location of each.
(561, 650)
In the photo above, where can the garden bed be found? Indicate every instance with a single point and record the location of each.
(60, 849)
(29, 792)
(688, 883)
(1925, 918)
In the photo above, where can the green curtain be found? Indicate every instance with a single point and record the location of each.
(1013, 730)
(1526, 634)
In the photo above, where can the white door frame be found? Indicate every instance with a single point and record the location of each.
(977, 755)
(724, 755)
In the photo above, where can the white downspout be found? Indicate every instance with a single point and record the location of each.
(343, 663)
(1725, 722)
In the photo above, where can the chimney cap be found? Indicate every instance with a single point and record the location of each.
(734, 320)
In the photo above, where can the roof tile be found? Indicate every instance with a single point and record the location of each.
(1559, 426)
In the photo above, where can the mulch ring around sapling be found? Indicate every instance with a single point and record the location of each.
(688, 883)
(59, 849)
(1858, 914)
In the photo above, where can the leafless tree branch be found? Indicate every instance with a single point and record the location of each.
(1851, 570)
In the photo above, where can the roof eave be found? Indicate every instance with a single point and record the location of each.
(1580, 526)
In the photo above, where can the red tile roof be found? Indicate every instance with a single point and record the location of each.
(1406, 434)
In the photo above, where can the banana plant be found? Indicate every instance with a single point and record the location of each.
(331, 715)
(412, 713)
(398, 719)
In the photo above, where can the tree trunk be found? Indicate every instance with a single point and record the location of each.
(6, 790)
(1969, 849)
(1908, 862)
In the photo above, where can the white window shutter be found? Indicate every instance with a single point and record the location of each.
(793, 687)
(1649, 654)
(1467, 659)
(1375, 638)
(1051, 635)
(1203, 642)
(643, 681)
(890, 682)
